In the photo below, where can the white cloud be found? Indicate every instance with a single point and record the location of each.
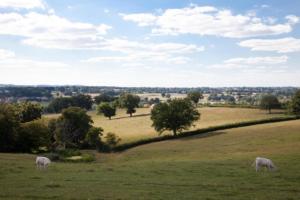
(252, 63)
(257, 60)
(283, 45)
(52, 31)
(4, 54)
(25, 4)
(207, 20)
(142, 19)
(170, 53)
(8, 60)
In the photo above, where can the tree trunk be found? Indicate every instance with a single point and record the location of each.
(109, 117)
(130, 114)
(174, 132)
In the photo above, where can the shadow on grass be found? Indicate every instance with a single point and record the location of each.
(133, 116)
(204, 135)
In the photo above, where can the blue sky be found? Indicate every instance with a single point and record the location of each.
(164, 43)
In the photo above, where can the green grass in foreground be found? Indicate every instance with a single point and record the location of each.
(198, 167)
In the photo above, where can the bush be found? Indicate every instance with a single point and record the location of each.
(112, 139)
(9, 125)
(33, 135)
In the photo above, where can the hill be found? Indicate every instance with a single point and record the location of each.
(214, 166)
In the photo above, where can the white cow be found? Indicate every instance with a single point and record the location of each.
(42, 162)
(263, 162)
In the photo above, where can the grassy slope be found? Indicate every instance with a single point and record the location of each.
(214, 167)
(130, 129)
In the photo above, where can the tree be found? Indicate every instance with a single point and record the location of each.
(83, 101)
(106, 109)
(177, 115)
(130, 102)
(112, 139)
(269, 102)
(58, 104)
(295, 103)
(93, 137)
(29, 111)
(103, 98)
(72, 126)
(195, 96)
(9, 125)
(32, 135)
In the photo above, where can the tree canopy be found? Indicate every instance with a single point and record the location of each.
(269, 102)
(130, 102)
(29, 111)
(72, 126)
(295, 103)
(177, 115)
(106, 109)
(195, 96)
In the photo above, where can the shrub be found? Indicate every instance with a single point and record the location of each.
(33, 135)
(9, 125)
(112, 139)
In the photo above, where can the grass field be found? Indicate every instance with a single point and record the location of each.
(139, 126)
(215, 166)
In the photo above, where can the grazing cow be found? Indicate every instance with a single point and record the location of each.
(263, 162)
(42, 162)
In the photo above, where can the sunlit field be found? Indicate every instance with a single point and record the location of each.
(215, 166)
(139, 126)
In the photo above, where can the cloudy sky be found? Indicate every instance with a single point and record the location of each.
(150, 43)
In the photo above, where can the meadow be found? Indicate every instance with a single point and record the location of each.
(216, 165)
(139, 126)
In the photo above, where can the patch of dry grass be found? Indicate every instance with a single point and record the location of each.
(139, 126)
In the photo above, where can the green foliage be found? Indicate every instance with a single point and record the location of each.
(112, 140)
(177, 115)
(195, 96)
(130, 102)
(32, 135)
(93, 137)
(58, 104)
(106, 109)
(295, 103)
(82, 101)
(9, 125)
(29, 111)
(103, 98)
(269, 102)
(72, 126)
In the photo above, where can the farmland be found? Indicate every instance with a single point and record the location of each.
(139, 126)
(213, 166)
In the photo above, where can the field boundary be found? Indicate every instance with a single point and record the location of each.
(126, 146)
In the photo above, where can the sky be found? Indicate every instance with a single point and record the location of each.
(157, 43)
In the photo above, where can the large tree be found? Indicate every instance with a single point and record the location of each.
(269, 102)
(106, 109)
(295, 103)
(72, 126)
(195, 96)
(177, 115)
(103, 98)
(9, 125)
(130, 102)
(83, 101)
(29, 111)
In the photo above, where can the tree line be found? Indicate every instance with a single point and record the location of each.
(23, 130)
